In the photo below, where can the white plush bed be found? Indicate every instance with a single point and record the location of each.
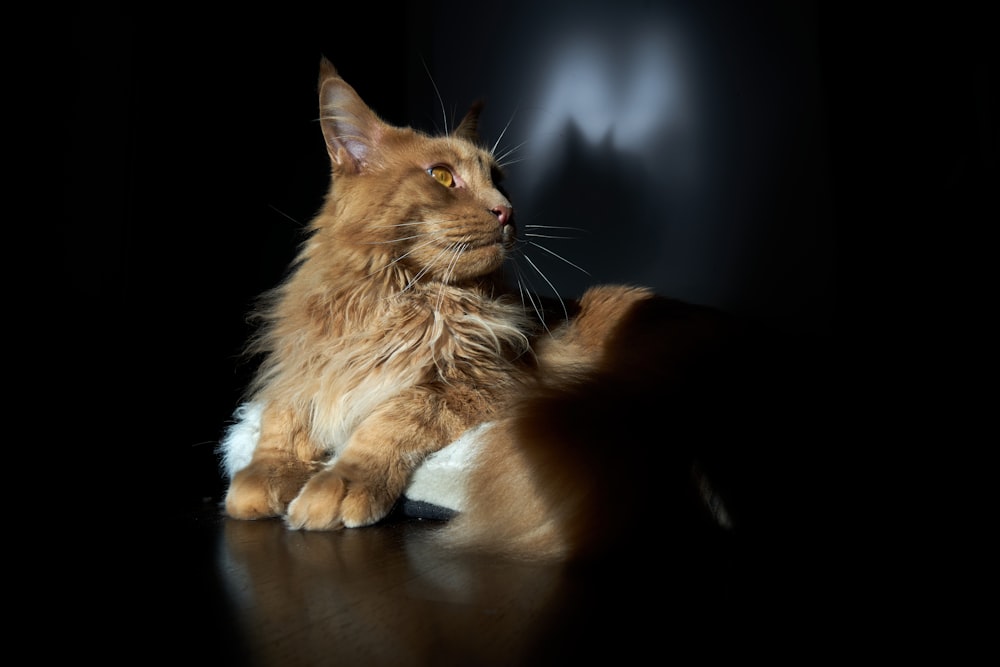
(437, 490)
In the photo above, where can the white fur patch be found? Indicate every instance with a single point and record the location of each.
(241, 438)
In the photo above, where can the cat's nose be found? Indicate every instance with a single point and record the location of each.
(503, 214)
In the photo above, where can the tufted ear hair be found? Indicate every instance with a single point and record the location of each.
(469, 127)
(351, 129)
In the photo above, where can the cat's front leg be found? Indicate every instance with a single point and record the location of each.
(283, 461)
(361, 487)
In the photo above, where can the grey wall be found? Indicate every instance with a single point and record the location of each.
(687, 140)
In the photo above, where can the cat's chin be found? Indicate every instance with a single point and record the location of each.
(477, 263)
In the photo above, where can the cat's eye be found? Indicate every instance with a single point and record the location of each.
(442, 175)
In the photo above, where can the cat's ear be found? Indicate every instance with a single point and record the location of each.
(352, 130)
(469, 127)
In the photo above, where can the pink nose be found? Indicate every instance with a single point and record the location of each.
(503, 214)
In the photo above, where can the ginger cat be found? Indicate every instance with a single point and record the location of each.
(396, 332)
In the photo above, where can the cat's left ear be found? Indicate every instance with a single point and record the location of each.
(351, 129)
(469, 127)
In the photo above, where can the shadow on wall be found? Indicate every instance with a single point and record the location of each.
(588, 219)
(686, 143)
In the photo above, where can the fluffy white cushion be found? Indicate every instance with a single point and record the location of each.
(437, 486)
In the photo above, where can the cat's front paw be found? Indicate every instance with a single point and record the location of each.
(264, 489)
(329, 502)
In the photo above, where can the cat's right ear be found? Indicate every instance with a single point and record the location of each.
(352, 130)
(469, 127)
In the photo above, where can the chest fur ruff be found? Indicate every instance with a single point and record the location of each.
(338, 383)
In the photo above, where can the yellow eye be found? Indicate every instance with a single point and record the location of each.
(443, 176)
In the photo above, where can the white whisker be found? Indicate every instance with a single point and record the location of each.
(503, 132)
(416, 277)
(460, 249)
(457, 249)
(405, 254)
(285, 215)
(557, 255)
(554, 290)
(527, 292)
(406, 238)
(505, 164)
(399, 224)
(427, 267)
(546, 236)
(574, 229)
(506, 154)
(444, 112)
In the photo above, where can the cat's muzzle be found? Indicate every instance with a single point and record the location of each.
(508, 234)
